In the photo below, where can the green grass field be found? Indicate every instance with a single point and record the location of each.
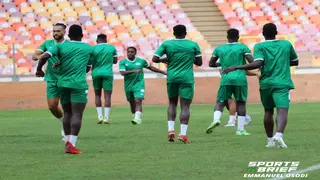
(31, 147)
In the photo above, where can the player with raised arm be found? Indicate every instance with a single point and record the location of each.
(132, 70)
(231, 54)
(181, 55)
(74, 56)
(103, 57)
(274, 58)
(52, 75)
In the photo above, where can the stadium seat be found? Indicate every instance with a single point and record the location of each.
(302, 17)
(145, 23)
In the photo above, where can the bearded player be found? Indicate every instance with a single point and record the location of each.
(52, 75)
(74, 57)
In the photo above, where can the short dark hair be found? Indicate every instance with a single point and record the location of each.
(269, 30)
(131, 47)
(179, 30)
(75, 31)
(61, 24)
(102, 37)
(233, 33)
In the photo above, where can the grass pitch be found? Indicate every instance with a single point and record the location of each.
(31, 147)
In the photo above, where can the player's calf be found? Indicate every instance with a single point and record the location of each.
(53, 106)
(98, 105)
(138, 112)
(107, 106)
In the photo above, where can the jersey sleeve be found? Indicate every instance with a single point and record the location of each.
(215, 53)
(293, 54)
(161, 50)
(197, 52)
(54, 50)
(91, 56)
(122, 67)
(114, 53)
(246, 51)
(43, 47)
(258, 55)
(145, 64)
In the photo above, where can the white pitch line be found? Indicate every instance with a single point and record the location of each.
(308, 169)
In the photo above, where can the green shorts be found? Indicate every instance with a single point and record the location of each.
(227, 92)
(53, 90)
(69, 95)
(102, 82)
(135, 94)
(277, 97)
(182, 90)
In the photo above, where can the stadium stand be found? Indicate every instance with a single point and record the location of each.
(299, 18)
(25, 24)
(143, 23)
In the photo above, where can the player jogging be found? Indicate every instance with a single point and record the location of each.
(232, 106)
(274, 58)
(132, 70)
(181, 55)
(73, 56)
(51, 76)
(104, 56)
(231, 54)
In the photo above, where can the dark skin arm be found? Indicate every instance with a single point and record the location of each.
(123, 73)
(294, 63)
(157, 59)
(254, 65)
(249, 58)
(154, 69)
(88, 68)
(214, 59)
(213, 62)
(44, 58)
(198, 61)
(248, 73)
(115, 60)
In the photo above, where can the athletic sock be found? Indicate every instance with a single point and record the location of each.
(170, 125)
(106, 113)
(232, 118)
(73, 140)
(217, 115)
(183, 129)
(278, 135)
(270, 139)
(241, 120)
(67, 138)
(99, 111)
(137, 115)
